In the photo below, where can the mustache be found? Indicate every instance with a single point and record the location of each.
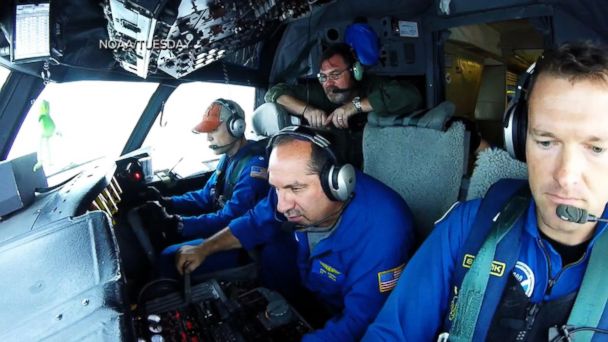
(557, 190)
(292, 212)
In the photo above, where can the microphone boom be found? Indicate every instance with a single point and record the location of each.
(572, 214)
(577, 215)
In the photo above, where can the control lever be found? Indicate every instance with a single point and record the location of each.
(187, 287)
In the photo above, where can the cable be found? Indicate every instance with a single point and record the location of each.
(152, 283)
(308, 42)
(565, 333)
(51, 188)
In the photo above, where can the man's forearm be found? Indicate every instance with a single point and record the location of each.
(221, 241)
(292, 104)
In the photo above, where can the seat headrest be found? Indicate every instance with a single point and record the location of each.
(434, 118)
(270, 118)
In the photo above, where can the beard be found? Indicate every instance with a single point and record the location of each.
(337, 98)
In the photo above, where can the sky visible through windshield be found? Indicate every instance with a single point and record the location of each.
(91, 118)
(95, 118)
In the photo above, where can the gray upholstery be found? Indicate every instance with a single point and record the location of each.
(435, 118)
(270, 118)
(425, 166)
(492, 165)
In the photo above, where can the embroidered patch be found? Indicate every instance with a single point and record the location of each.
(327, 271)
(498, 268)
(388, 279)
(259, 172)
(523, 273)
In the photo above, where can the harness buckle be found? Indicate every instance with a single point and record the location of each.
(443, 337)
(557, 333)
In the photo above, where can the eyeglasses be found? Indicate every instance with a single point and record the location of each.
(331, 76)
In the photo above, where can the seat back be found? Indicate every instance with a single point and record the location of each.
(269, 118)
(491, 166)
(424, 165)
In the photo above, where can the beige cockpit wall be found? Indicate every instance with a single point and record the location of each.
(482, 63)
(483, 47)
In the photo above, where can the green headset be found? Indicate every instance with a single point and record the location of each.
(357, 70)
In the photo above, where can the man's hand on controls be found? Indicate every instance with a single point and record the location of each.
(159, 220)
(153, 194)
(188, 258)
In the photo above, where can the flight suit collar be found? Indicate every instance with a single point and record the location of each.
(340, 238)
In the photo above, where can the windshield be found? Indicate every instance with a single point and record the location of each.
(3, 75)
(72, 123)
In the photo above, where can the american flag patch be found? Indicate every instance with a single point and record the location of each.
(388, 279)
(259, 172)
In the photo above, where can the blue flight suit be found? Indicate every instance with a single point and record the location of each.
(417, 308)
(251, 186)
(353, 269)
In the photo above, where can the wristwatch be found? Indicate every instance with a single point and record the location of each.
(357, 104)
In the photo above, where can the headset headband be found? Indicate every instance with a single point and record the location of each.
(305, 133)
(228, 106)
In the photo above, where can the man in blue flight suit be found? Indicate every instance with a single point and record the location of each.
(238, 183)
(508, 267)
(349, 239)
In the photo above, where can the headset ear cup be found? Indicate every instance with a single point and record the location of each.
(521, 131)
(357, 71)
(236, 126)
(338, 181)
(515, 121)
(515, 130)
(343, 181)
(325, 178)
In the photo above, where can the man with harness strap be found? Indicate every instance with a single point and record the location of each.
(527, 262)
(238, 183)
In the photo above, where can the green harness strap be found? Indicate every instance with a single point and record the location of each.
(476, 279)
(593, 295)
(234, 175)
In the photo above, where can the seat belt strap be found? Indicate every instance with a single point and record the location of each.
(593, 295)
(476, 279)
(234, 176)
(219, 182)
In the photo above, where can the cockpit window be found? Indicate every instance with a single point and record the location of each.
(3, 75)
(174, 145)
(72, 123)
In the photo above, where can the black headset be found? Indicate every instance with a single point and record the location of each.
(236, 123)
(515, 120)
(337, 180)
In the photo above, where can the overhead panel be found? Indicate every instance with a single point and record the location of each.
(181, 38)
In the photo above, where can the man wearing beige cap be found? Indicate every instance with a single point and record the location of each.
(238, 183)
